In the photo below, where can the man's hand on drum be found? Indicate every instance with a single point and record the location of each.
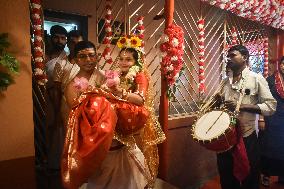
(230, 105)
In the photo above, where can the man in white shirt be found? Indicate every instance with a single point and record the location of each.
(257, 100)
(59, 70)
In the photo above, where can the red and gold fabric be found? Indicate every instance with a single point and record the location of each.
(99, 117)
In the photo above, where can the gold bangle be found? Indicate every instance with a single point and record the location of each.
(261, 120)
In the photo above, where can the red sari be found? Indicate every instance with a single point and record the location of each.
(92, 124)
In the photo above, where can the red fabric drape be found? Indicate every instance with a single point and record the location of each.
(88, 140)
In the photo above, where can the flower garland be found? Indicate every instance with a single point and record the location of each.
(201, 50)
(268, 12)
(131, 41)
(171, 48)
(37, 22)
(140, 31)
(107, 40)
(131, 74)
(234, 36)
(265, 66)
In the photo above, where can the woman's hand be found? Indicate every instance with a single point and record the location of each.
(116, 90)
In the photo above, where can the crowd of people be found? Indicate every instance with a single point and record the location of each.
(101, 124)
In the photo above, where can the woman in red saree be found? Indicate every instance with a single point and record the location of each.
(112, 132)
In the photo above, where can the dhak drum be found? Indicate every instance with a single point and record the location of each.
(215, 130)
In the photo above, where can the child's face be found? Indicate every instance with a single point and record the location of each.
(126, 60)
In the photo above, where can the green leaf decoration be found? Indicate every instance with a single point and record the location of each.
(10, 62)
(9, 65)
(5, 81)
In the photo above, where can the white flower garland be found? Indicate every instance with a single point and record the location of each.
(107, 40)
(268, 12)
(265, 66)
(171, 53)
(201, 39)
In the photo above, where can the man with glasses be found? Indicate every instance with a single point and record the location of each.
(86, 58)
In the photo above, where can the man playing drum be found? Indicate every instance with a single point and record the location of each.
(239, 166)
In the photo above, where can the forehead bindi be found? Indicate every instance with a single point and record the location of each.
(126, 54)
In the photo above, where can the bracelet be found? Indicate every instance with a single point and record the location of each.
(261, 120)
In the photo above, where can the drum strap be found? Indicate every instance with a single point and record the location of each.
(241, 167)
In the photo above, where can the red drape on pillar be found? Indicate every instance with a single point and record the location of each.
(280, 44)
(164, 101)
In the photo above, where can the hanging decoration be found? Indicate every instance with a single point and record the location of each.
(108, 30)
(37, 44)
(234, 36)
(140, 31)
(265, 65)
(268, 12)
(201, 50)
(171, 48)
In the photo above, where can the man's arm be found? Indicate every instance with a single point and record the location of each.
(250, 108)
(267, 104)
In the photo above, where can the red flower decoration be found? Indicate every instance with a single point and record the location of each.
(133, 42)
(172, 53)
(122, 41)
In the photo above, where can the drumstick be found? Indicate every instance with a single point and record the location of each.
(214, 122)
(206, 105)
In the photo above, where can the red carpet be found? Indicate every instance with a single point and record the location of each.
(214, 184)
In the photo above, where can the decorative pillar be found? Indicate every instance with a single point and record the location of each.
(164, 102)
